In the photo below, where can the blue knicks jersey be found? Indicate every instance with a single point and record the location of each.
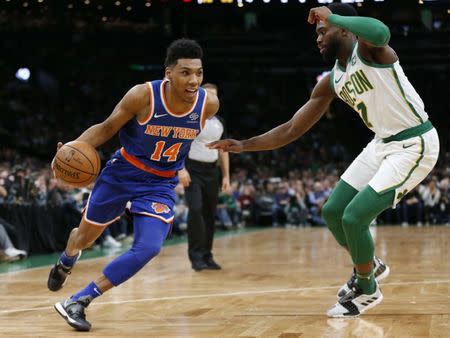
(163, 140)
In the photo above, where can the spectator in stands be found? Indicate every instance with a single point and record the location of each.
(316, 199)
(431, 196)
(8, 253)
(412, 208)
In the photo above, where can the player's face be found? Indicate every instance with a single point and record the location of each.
(185, 77)
(327, 41)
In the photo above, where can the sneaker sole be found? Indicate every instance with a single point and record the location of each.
(60, 309)
(368, 307)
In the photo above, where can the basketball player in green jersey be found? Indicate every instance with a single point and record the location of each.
(368, 77)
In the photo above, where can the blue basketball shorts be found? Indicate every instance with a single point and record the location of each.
(121, 182)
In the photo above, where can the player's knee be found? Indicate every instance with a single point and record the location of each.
(332, 214)
(350, 221)
(145, 253)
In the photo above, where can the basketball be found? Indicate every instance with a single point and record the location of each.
(77, 164)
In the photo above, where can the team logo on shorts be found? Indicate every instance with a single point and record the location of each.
(160, 208)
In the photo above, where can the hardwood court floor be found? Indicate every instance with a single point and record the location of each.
(275, 283)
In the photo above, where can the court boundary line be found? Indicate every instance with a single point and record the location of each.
(225, 294)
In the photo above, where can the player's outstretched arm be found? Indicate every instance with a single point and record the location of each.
(369, 29)
(373, 35)
(288, 132)
(134, 103)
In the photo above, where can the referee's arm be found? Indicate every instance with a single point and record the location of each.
(224, 162)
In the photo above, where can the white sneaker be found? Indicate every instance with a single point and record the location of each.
(380, 271)
(110, 242)
(15, 254)
(355, 303)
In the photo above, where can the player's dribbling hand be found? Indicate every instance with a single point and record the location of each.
(317, 14)
(58, 145)
(229, 145)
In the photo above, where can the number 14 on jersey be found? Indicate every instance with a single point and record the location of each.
(171, 153)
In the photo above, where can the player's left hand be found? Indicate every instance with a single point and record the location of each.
(317, 14)
(229, 145)
(225, 183)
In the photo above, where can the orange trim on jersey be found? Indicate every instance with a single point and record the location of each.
(138, 164)
(169, 220)
(152, 105)
(203, 115)
(166, 105)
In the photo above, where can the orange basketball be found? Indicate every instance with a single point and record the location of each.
(77, 164)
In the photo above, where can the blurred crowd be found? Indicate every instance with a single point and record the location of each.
(259, 194)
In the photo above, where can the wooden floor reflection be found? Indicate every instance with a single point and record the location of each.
(274, 283)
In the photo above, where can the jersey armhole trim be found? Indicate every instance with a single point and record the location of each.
(203, 114)
(331, 80)
(372, 64)
(152, 105)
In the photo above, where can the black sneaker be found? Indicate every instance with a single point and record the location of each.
(73, 312)
(355, 303)
(198, 265)
(380, 271)
(211, 264)
(58, 275)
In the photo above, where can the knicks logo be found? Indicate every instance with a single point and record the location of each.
(160, 208)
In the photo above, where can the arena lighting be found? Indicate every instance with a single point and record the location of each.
(240, 3)
(351, 1)
(324, 1)
(302, 1)
(249, 1)
(87, 2)
(40, 1)
(70, 6)
(129, 8)
(148, 4)
(25, 4)
(284, 1)
(266, 1)
(23, 74)
(117, 3)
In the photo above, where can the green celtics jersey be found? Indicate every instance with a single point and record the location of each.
(381, 94)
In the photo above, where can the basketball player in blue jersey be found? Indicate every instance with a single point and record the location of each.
(157, 122)
(368, 77)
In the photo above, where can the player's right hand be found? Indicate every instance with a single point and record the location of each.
(58, 145)
(229, 145)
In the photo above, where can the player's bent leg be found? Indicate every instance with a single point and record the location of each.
(149, 235)
(333, 209)
(365, 293)
(80, 238)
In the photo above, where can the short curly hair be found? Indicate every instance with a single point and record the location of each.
(182, 49)
(342, 9)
